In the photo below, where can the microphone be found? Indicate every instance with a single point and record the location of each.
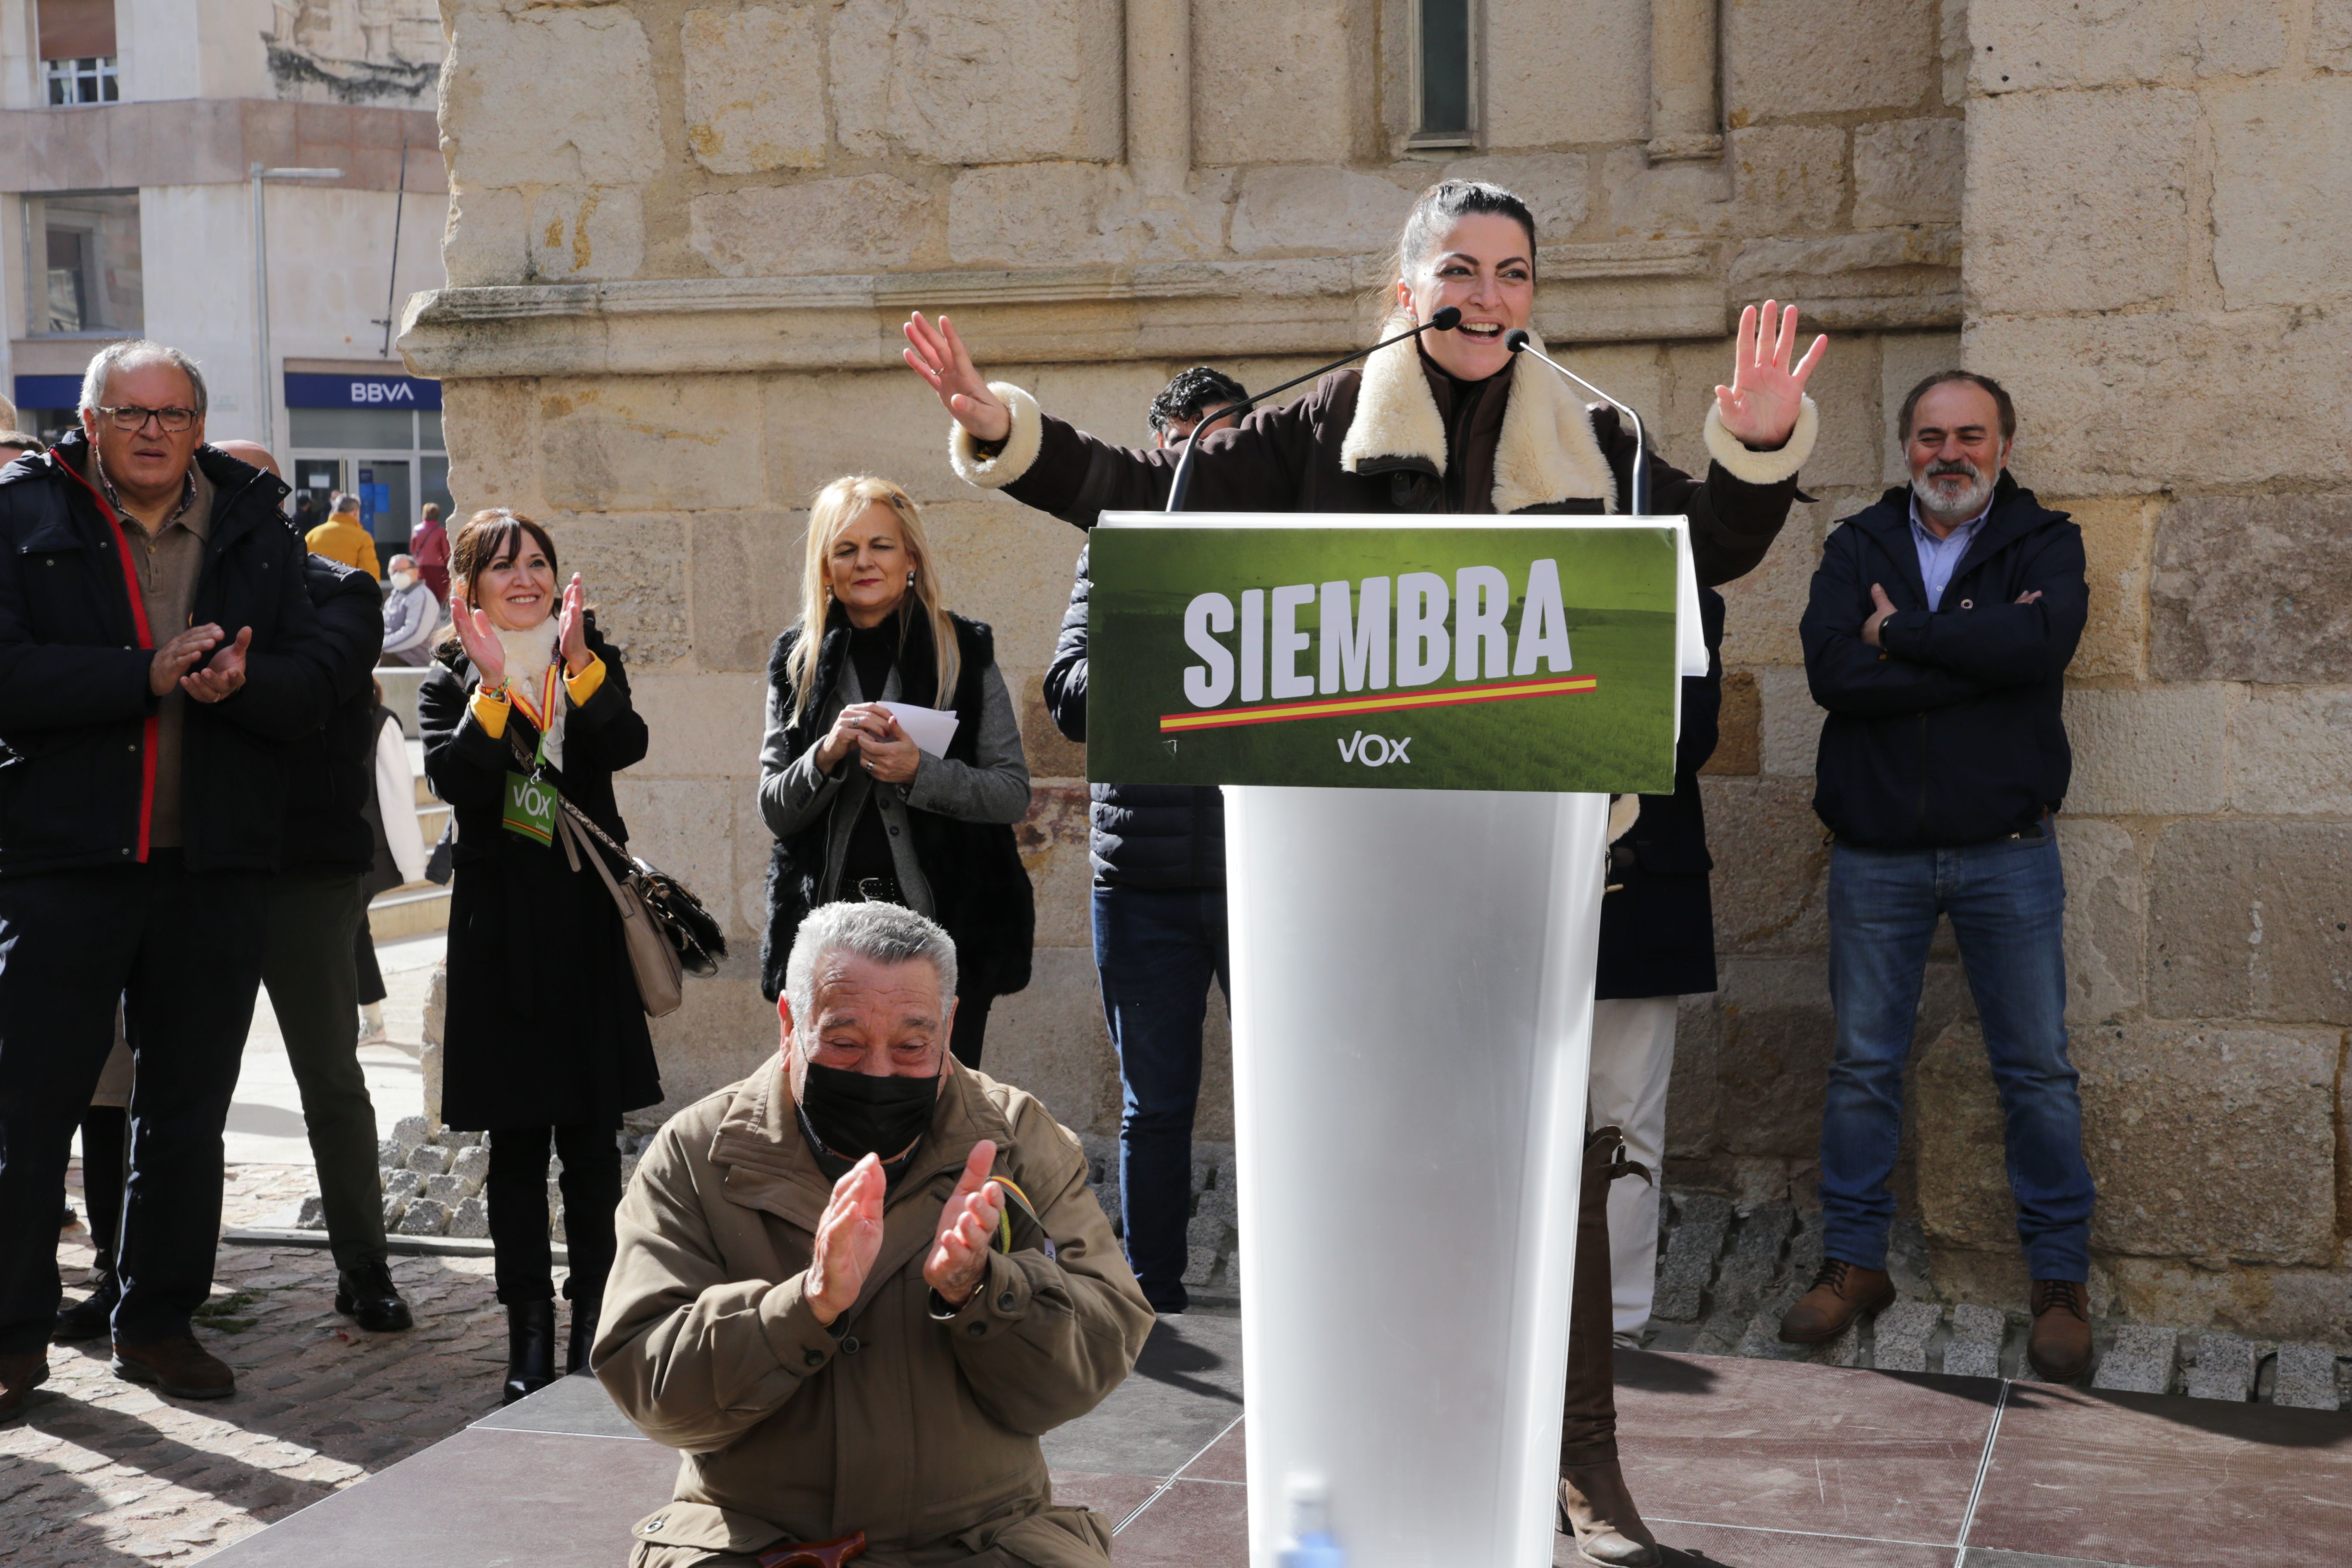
(1443, 320)
(1517, 342)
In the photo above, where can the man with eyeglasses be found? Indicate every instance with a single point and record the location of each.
(158, 647)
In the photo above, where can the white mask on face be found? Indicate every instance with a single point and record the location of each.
(404, 581)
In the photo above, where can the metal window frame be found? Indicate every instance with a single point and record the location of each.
(1419, 138)
(35, 299)
(104, 71)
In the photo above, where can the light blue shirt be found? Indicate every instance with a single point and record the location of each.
(1938, 558)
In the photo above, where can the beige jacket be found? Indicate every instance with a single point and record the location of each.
(921, 1432)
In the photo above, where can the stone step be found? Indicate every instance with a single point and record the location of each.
(412, 910)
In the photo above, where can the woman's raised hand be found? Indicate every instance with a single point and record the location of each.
(937, 354)
(1766, 394)
(480, 640)
(572, 629)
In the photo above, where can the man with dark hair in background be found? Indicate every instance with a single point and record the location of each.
(1941, 623)
(1159, 853)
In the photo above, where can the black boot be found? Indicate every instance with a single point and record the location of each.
(531, 1348)
(585, 1311)
(90, 1317)
(367, 1296)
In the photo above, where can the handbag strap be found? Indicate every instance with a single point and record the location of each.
(628, 907)
(580, 819)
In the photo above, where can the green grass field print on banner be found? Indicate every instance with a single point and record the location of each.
(1499, 655)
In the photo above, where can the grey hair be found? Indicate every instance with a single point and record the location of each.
(879, 933)
(133, 351)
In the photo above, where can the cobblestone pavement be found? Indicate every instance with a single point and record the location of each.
(1725, 1278)
(103, 1471)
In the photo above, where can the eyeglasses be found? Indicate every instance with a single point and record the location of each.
(131, 417)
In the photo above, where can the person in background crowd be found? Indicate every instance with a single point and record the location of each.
(883, 1359)
(1941, 623)
(544, 1039)
(158, 649)
(428, 544)
(15, 444)
(341, 537)
(399, 855)
(412, 613)
(1424, 427)
(1159, 854)
(315, 902)
(858, 809)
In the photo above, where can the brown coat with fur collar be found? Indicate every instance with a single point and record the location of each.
(1380, 440)
(920, 1431)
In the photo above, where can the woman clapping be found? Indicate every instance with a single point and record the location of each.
(545, 1036)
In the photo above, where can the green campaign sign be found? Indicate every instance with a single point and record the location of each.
(1491, 653)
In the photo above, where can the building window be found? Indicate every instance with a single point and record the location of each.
(82, 262)
(78, 51)
(90, 79)
(1442, 55)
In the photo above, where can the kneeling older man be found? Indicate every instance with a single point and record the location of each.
(855, 1287)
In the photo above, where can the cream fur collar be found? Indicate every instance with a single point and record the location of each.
(1546, 453)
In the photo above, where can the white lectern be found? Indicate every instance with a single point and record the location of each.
(1412, 975)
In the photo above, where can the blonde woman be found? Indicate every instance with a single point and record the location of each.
(859, 809)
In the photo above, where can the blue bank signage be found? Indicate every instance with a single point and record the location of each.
(310, 389)
(48, 392)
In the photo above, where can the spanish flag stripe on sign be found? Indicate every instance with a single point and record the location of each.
(1382, 702)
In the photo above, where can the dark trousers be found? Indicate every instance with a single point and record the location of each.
(516, 1189)
(105, 1169)
(1156, 950)
(313, 990)
(184, 949)
(370, 975)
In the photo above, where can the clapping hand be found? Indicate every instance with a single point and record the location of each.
(479, 638)
(958, 1259)
(224, 675)
(938, 355)
(1761, 405)
(572, 629)
(176, 658)
(848, 1239)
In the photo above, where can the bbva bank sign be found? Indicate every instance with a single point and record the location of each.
(391, 394)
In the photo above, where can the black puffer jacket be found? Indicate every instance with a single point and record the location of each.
(331, 772)
(1952, 733)
(76, 719)
(1657, 928)
(1137, 836)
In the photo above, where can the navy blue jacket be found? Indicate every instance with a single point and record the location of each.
(331, 772)
(77, 741)
(1139, 835)
(1952, 733)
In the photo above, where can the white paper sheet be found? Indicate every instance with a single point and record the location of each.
(930, 728)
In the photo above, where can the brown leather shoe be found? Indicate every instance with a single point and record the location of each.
(2059, 1348)
(179, 1366)
(19, 1375)
(1841, 1292)
(1596, 1507)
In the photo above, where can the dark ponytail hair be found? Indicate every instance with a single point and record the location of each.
(1440, 207)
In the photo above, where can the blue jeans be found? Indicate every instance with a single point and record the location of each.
(1156, 950)
(2007, 901)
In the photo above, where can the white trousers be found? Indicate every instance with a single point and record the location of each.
(1633, 1057)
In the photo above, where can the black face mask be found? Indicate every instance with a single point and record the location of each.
(853, 1114)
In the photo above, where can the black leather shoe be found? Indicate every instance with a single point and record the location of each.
(585, 1314)
(531, 1348)
(367, 1296)
(94, 1314)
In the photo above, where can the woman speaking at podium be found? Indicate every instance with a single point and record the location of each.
(1448, 422)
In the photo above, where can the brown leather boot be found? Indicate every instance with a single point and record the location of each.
(179, 1366)
(1594, 1504)
(20, 1373)
(1841, 1292)
(2059, 1348)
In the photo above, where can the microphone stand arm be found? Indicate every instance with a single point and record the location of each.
(1639, 502)
(1181, 484)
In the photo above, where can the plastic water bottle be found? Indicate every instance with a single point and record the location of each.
(1309, 1544)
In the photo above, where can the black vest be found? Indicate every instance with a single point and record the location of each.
(979, 889)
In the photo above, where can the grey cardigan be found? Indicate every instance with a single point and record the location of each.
(794, 794)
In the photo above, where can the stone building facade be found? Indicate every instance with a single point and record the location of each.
(683, 233)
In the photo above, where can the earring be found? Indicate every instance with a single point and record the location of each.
(910, 579)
